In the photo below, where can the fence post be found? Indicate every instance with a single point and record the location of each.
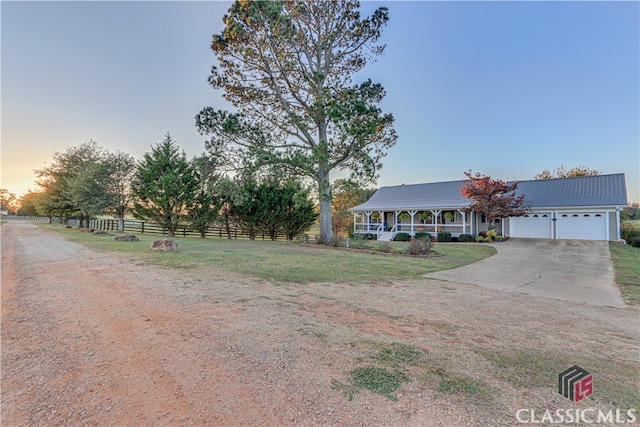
(142, 227)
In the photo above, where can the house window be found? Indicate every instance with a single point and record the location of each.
(483, 219)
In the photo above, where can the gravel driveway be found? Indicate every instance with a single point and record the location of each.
(92, 338)
(571, 270)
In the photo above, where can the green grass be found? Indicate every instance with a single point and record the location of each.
(397, 354)
(285, 262)
(626, 264)
(378, 380)
(526, 368)
(451, 384)
(386, 373)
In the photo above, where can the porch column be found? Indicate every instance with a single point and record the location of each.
(355, 221)
(464, 221)
(368, 224)
(412, 213)
(435, 220)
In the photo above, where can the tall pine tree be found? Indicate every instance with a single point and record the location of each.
(287, 67)
(164, 186)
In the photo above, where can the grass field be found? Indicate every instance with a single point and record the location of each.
(289, 262)
(626, 263)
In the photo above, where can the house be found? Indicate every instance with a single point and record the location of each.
(586, 208)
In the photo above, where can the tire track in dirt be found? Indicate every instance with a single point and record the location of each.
(84, 342)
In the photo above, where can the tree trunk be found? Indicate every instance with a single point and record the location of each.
(324, 192)
(227, 226)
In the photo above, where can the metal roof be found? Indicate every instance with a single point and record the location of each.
(600, 190)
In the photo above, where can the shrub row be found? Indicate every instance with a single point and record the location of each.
(631, 233)
(443, 236)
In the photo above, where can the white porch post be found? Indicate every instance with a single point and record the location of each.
(368, 224)
(474, 226)
(464, 221)
(396, 214)
(435, 220)
(382, 219)
(412, 213)
(355, 221)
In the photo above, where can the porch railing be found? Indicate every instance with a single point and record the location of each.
(432, 228)
(378, 228)
(371, 227)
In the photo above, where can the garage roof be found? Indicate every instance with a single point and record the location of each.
(600, 190)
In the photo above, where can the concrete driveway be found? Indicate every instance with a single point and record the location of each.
(572, 270)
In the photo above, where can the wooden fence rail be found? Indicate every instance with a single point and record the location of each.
(30, 218)
(144, 227)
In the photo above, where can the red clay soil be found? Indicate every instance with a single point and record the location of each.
(90, 338)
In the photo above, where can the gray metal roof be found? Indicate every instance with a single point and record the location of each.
(600, 190)
(416, 197)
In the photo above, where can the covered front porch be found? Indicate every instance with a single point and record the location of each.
(385, 225)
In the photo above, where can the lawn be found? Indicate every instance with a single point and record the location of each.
(289, 262)
(626, 263)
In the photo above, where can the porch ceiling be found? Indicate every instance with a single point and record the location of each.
(411, 205)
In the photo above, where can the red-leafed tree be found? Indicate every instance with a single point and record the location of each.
(493, 198)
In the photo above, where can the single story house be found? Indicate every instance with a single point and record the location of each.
(586, 208)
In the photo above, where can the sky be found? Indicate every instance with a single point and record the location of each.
(507, 89)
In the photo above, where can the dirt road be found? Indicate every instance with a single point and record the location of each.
(95, 339)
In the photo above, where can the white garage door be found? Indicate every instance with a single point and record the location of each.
(582, 226)
(533, 225)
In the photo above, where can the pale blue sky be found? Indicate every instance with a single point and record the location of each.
(504, 88)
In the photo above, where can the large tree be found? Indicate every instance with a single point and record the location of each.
(69, 181)
(274, 208)
(120, 170)
(8, 201)
(164, 186)
(493, 198)
(30, 203)
(202, 209)
(563, 172)
(346, 195)
(287, 68)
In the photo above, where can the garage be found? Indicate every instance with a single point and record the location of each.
(533, 225)
(576, 208)
(582, 226)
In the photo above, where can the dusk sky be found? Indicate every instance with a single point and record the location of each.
(507, 89)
